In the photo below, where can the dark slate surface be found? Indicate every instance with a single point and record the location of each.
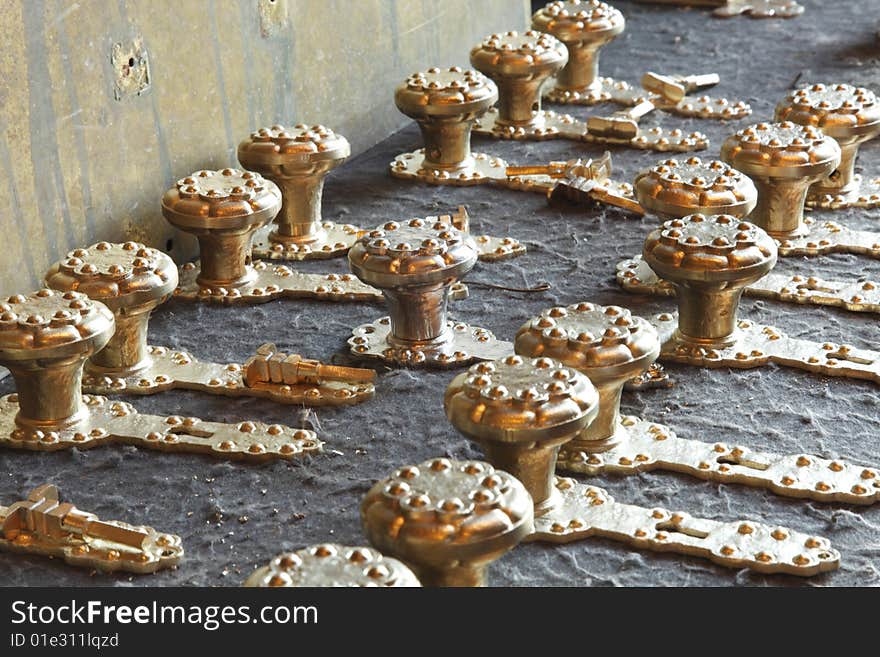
(235, 517)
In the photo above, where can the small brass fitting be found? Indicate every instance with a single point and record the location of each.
(448, 520)
(783, 160)
(850, 115)
(605, 343)
(521, 411)
(584, 26)
(414, 264)
(709, 260)
(222, 209)
(298, 160)
(131, 280)
(445, 103)
(43, 525)
(45, 339)
(519, 64)
(676, 188)
(332, 565)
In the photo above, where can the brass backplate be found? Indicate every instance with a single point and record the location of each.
(119, 422)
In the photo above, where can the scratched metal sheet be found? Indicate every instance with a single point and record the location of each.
(235, 517)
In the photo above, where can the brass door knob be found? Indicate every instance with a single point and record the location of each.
(445, 103)
(709, 260)
(851, 115)
(519, 64)
(45, 338)
(298, 159)
(584, 26)
(607, 344)
(783, 160)
(521, 411)
(676, 188)
(449, 520)
(131, 280)
(222, 209)
(331, 565)
(414, 264)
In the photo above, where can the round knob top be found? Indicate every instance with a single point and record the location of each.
(579, 20)
(681, 187)
(781, 150)
(714, 248)
(414, 252)
(50, 324)
(228, 199)
(840, 110)
(443, 510)
(119, 275)
(331, 565)
(445, 92)
(519, 55)
(516, 400)
(604, 342)
(299, 146)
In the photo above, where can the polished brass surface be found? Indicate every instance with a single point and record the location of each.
(605, 343)
(521, 410)
(584, 26)
(708, 280)
(519, 64)
(415, 263)
(850, 115)
(448, 520)
(675, 188)
(609, 345)
(298, 159)
(709, 260)
(332, 565)
(730, 8)
(43, 525)
(45, 338)
(783, 160)
(445, 103)
(223, 209)
(587, 182)
(132, 279)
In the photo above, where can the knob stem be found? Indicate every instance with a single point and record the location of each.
(462, 575)
(300, 217)
(707, 313)
(581, 73)
(602, 434)
(842, 180)
(418, 314)
(780, 207)
(533, 465)
(447, 142)
(225, 256)
(519, 100)
(49, 393)
(127, 351)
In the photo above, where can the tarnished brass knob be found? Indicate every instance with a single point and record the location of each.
(45, 337)
(222, 209)
(584, 26)
(851, 115)
(675, 188)
(449, 520)
(331, 565)
(709, 260)
(298, 159)
(519, 64)
(445, 103)
(607, 344)
(521, 410)
(783, 160)
(131, 280)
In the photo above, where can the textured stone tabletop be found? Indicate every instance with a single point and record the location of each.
(234, 517)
